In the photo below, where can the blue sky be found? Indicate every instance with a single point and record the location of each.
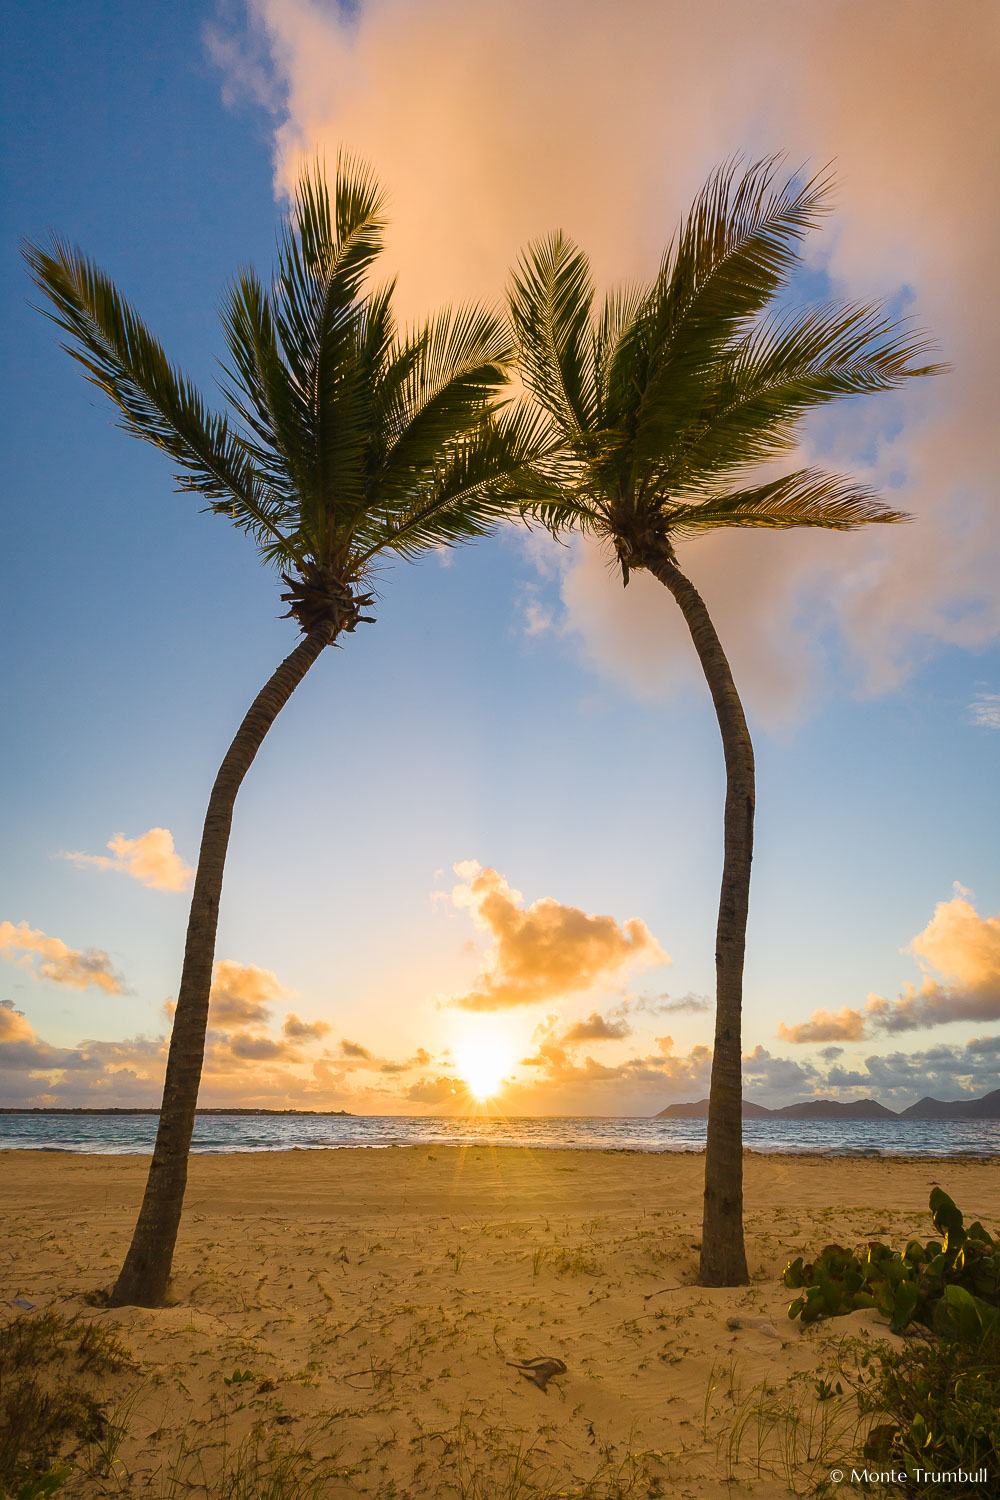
(508, 707)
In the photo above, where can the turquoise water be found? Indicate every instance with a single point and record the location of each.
(126, 1134)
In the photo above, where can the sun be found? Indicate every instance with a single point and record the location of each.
(483, 1063)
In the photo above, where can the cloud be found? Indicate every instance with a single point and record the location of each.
(21, 1051)
(778, 1075)
(150, 859)
(262, 1048)
(846, 1026)
(451, 1093)
(242, 994)
(987, 1046)
(652, 1077)
(962, 946)
(355, 1050)
(942, 1072)
(665, 1005)
(49, 958)
(605, 120)
(250, 1069)
(304, 1031)
(545, 950)
(984, 710)
(597, 1028)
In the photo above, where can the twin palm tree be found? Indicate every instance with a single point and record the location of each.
(354, 441)
(658, 413)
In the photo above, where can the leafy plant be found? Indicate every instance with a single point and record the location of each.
(940, 1396)
(951, 1285)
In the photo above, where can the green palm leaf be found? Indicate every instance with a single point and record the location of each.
(485, 477)
(345, 440)
(691, 384)
(550, 300)
(808, 497)
(730, 258)
(784, 367)
(455, 365)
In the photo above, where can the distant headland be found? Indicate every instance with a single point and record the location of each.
(986, 1108)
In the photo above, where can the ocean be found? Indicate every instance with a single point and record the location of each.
(133, 1134)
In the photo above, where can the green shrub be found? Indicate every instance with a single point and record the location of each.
(940, 1399)
(951, 1285)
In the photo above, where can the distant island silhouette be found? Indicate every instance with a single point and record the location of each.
(113, 1110)
(986, 1108)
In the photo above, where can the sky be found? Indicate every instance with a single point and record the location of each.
(479, 852)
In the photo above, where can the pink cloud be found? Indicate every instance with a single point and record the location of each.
(605, 120)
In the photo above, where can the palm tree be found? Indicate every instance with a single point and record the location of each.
(350, 441)
(658, 413)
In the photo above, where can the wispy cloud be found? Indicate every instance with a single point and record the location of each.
(151, 859)
(50, 959)
(985, 710)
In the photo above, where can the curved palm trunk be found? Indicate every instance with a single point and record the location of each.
(723, 1257)
(144, 1276)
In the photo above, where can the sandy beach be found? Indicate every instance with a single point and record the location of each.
(369, 1302)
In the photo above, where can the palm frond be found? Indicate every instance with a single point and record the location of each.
(614, 336)
(550, 296)
(807, 497)
(261, 388)
(123, 359)
(480, 483)
(324, 253)
(733, 253)
(786, 365)
(454, 365)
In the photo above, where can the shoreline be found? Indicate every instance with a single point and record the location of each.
(806, 1154)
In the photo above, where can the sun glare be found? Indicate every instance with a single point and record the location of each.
(483, 1063)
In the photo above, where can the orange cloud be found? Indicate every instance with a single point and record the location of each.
(242, 994)
(962, 946)
(596, 1028)
(545, 950)
(846, 1026)
(604, 119)
(262, 1048)
(75, 967)
(22, 1051)
(150, 859)
(303, 1031)
(663, 1070)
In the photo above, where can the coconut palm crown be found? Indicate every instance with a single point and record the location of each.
(346, 441)
(661, 411)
